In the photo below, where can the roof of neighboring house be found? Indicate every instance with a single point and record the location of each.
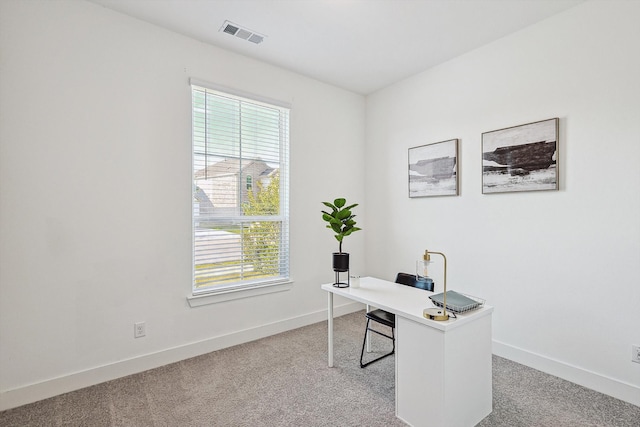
(230, 167)
(267, 172)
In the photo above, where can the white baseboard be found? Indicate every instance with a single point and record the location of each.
(53, 387)
(592, 380)
(46, 389)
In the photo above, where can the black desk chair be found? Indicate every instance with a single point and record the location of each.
(388, 319)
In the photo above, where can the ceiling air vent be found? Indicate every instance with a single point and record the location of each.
(240, 32)
(230, 29)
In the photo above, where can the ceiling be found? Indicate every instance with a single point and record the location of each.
(359, 45)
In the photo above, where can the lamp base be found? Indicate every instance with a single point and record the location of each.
(435, 314)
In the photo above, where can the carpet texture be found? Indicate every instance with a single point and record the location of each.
(284, 380)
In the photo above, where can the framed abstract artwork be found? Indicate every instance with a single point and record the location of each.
(521, 158)
(433, 169)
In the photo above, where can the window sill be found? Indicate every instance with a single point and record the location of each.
(233, 294)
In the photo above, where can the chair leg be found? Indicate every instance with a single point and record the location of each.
(364, 343)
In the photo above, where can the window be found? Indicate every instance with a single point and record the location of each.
(240, 191)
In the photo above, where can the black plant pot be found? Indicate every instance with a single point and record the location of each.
(341, 265)
(340, 261)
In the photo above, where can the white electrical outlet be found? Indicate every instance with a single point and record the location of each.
(139, 329)
(635, 353)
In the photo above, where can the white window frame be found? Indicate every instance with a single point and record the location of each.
(257, 287)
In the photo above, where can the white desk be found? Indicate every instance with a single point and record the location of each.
(443, 369)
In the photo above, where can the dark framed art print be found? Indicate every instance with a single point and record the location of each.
(521, 158)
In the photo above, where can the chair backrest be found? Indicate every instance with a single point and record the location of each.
(410, 280)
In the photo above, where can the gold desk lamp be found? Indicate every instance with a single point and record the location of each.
(437, 313)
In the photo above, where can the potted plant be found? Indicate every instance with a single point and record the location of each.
(340, 221)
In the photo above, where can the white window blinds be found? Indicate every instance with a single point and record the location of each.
(240, 191)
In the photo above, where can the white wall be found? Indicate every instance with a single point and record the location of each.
(95, 197)
(95, 186)
(562, 269)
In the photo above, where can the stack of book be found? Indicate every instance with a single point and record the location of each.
(456, 302)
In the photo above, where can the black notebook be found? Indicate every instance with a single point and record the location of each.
(456, 302)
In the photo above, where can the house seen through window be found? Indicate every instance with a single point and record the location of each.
(240, 191)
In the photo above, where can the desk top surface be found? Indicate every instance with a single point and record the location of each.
(404, 301)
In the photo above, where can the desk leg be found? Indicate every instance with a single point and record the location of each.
(330, 328)
(368, 333)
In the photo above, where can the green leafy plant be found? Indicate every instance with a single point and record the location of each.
(261, 244)
(340, 219)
